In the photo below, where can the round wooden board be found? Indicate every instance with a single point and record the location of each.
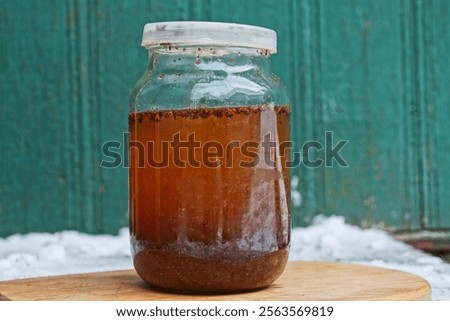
(301, 281)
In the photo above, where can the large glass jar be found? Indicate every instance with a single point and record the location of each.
(209, 146)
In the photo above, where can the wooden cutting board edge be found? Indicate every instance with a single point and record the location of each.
(420, 291)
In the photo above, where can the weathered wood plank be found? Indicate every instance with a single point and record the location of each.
(375, 73)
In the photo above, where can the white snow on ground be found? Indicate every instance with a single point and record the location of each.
(327, 239)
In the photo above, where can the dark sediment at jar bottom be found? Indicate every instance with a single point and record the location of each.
(179, 272)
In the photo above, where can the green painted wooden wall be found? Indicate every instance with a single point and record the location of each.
(376, 73)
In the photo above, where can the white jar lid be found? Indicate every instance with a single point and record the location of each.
(209, 33)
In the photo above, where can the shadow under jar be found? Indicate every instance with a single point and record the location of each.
(208, 149)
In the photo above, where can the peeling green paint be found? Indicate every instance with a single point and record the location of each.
(375, 73)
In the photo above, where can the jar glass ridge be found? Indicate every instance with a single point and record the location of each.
(205, 216)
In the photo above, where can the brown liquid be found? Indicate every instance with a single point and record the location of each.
(212, 224)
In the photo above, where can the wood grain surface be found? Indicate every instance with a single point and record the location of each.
(301, 281)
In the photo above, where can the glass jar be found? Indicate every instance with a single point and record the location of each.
(209, 137)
